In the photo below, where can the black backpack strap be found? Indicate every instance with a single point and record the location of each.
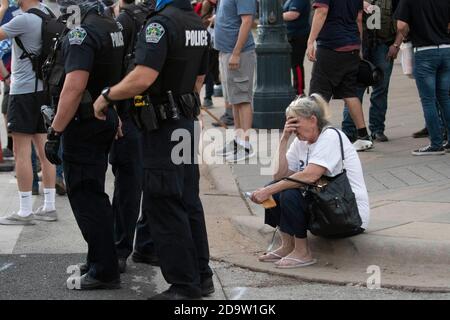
(41, 14)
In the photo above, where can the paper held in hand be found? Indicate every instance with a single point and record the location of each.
(267, 204)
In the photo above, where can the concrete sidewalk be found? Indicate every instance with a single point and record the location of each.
(408, 238)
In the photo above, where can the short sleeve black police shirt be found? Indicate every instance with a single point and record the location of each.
(79, 49)
(153, 42)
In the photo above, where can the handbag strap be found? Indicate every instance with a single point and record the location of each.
(341, 144)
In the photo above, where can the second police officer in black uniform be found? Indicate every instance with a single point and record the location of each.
(126, 152)
(92, 51)
(171, 61)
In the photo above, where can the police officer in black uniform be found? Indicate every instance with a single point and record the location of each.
(91, 54)
(126, 152)
(171, 61)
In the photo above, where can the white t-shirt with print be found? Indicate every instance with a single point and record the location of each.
(326, 152)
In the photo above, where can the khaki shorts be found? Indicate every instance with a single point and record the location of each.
(238, 84)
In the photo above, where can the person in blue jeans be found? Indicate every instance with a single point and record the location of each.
(427, 24)
(381, 47)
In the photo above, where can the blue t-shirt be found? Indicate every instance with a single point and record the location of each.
(299, 26)
(228, 21)
(340, 29)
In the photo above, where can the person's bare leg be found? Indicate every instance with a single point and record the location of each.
(356, 112)
(22, 155)
(287, 245)
(245, 119)
(236, 117)
(301, 252)
(48, 169)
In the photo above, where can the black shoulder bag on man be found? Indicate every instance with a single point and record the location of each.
(333, 209)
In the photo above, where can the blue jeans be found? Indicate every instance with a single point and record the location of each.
(432, 73)
(290, 214)
(379, 96)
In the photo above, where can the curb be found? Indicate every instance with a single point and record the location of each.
(405, 263)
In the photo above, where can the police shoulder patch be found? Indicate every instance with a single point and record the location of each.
(77, 36)
(154, 32)
(119, 25)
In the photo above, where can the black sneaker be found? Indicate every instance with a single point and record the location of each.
(225, 120)
(86, 282)
(60, 186)
(379, 136)
(421, 133)
(7, 154)
(428, 151)
(446, 147)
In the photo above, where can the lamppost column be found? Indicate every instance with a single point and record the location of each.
(274, 90)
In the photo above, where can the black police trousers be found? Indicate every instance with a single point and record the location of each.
(171, 202)
(126, 160)
(86, 146)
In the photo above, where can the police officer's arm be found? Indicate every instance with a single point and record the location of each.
(151, 52)
(70, 98)
(79, 53)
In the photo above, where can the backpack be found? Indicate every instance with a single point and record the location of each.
(52, 29)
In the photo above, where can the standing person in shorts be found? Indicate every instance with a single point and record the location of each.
(24, 116)
(337, 29)
(237, 60)
(7, 12)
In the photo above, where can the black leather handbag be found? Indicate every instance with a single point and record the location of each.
(333, 211)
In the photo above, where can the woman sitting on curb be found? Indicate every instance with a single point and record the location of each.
(315, 152)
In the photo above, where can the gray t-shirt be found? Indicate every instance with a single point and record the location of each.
(228, 22)
(28, 27)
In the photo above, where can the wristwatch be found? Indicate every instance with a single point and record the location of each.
(105, 94)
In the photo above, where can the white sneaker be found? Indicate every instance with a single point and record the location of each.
(40, 214)
(230, 148)
(15, 220)
(241, 154)
(363, 145)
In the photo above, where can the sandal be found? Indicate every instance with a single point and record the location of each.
(270, 257)
(297, 263)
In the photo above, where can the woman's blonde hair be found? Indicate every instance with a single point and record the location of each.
(306, 107)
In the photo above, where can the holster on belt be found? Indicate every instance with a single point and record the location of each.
(143, 114)
(190, 105)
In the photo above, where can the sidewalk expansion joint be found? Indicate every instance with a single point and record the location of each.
(391, 227)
